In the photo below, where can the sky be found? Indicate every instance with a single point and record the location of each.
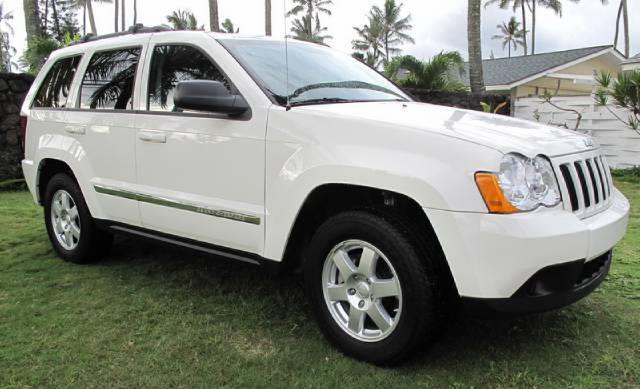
(437, 24)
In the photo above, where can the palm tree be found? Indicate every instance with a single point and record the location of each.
(310, 6)
(369, 41)
(183, 20)
(31, 19)
(267, 17)
(87, 5)
(228, 27)
(521, 4)
(623, 12)
(214, 22)
(395, 26)
(554, 5)
(311, 9)
(511, 34)
(305, 30)
(476, 79)
(435, 74)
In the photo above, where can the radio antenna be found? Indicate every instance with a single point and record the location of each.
(286, 55)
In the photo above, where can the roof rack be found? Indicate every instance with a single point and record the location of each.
(135, 29)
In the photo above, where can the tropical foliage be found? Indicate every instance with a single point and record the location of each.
(58, 18)
(510, 34)
(228, 27)
(37, 53)
(625, 91)
(308, 27)
(7, 52)
(39, 50)
(184, 20)
(437, 74)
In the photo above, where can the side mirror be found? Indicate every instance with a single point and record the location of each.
(209, 96)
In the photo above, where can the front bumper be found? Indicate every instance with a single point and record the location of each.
(553, 287)
(492, 257)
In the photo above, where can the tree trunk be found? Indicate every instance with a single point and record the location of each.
(92, 20)
(267, 17)
(475, 47)
(124, 19)
(615, 39)
(214, 23)
(84, 20)
(31, 19)
(524, 25)
(533, 27)
(625, 18)
(45, 19)
(509, 49)
(56, 20)
(135, 12)
(116, 5)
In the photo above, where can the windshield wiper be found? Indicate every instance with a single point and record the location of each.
(323, 100)
(344, 85)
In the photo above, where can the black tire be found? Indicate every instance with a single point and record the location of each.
(418, 270)
(92, 243)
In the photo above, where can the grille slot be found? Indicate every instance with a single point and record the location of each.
(595, 188)
(585, 183)
(573, 197)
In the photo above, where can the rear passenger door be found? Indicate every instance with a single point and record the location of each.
(104, 119)
(200, 175)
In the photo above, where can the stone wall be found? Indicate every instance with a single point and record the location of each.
(13, 88)
(462, 100)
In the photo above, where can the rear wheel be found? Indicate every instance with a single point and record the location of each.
(70, 226)
(371, 286)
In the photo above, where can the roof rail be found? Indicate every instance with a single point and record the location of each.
(135, 29)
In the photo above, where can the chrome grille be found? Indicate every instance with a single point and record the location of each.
(585, 182)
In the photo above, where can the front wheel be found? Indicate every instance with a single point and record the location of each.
(371, 288)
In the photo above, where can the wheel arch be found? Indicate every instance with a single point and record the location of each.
(47, 168)
(330, 199)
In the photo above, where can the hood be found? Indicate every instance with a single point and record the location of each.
(502, 133)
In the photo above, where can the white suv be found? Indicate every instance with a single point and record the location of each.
(394, 210)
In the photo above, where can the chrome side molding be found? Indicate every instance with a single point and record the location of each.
(221, 213)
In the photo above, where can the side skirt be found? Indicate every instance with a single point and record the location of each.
(219, 251)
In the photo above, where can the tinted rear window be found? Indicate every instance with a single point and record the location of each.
(54, 90)
(108, 81)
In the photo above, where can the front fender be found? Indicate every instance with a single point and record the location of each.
(433, 170)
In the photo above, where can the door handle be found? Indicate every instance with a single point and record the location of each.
(76, 130)
(152, 136)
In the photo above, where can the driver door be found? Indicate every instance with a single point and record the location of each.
(200, 175)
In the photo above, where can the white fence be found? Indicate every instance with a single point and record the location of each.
(621, 145)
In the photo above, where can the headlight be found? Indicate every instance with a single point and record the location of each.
(524, 185)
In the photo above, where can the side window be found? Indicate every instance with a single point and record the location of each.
(108, 81)
(54, 90)
(171, 64)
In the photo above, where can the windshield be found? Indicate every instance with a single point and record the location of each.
(317, 74)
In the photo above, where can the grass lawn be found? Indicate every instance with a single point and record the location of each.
(155, 316)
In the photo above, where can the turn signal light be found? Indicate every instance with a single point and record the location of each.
(492, 194)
